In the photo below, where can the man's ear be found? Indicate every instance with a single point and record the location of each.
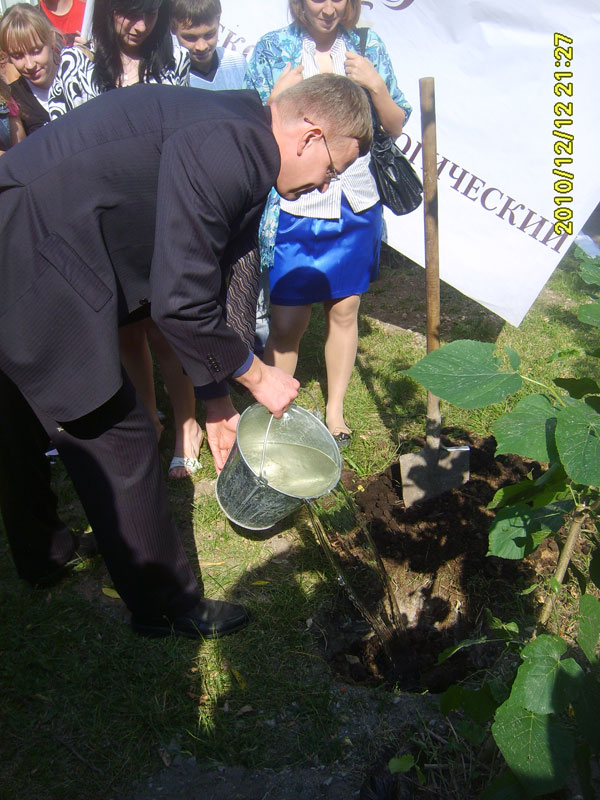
(309, 136)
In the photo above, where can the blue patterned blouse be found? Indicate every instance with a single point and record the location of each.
(268, 60)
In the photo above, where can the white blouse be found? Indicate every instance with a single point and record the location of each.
(74, 82)
(356, 182)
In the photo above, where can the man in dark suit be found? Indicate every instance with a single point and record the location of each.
(141, 200)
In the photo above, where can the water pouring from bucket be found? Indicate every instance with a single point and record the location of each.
(276, 465)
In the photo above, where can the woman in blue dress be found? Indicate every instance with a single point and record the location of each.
(324, 247)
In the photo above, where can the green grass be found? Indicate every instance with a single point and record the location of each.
(87, 708)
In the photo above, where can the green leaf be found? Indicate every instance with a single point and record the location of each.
(450, 651)
(508, 536)
(538, 748)
(544, 683)
(595, 568)
(551, 486)
(567, 352)
(513, 357)
(555, 585)
(401, 764)
(478, 704)
(500, 690)
(504, 787)
(466, 373)
(578, 387)
(519, 529)
(550, 517)
(529, 589)
(471, 731)
(451, 698)
(515, 493)
(589, 269)
(589, 627)
(528, 430)
(578, 443)
(554, 477)
(506, 630)
(589, 313)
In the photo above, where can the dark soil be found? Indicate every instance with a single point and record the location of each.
(441, 579)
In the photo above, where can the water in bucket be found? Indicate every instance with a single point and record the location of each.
(275, 465)
(296, 469)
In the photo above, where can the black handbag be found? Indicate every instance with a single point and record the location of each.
(399, 186)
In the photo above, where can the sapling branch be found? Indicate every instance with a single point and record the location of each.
(563, 562)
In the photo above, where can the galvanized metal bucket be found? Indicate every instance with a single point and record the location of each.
(276, 465)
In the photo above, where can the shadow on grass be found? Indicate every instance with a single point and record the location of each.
(89, 707)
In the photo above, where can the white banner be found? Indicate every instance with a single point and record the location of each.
(518, 115)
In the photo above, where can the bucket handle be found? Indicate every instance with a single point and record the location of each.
(261, 478)
(318, 414)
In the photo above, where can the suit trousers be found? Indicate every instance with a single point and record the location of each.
(111, 456)
(40, 542)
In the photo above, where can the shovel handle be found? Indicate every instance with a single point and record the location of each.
(432, 254)
(430, 210)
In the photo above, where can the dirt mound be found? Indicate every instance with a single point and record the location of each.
(435, 556)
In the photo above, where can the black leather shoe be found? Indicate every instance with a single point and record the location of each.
(210, 619)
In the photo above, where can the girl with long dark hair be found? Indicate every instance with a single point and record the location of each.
(131, 43)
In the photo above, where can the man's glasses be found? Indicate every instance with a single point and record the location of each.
(332, 174)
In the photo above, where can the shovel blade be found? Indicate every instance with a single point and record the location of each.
(429, 473)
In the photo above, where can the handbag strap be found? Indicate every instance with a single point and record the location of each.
(362, 36)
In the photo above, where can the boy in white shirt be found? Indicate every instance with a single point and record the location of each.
(195, 24)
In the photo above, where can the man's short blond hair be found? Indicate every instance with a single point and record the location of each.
(334, 102)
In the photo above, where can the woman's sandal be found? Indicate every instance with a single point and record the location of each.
(191, 465)
(342, 439)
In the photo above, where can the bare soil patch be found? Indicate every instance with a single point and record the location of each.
(435, 556)
(397, 299)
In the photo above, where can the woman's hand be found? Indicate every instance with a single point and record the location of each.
(288, 78)
(360, 70)
(363, 72)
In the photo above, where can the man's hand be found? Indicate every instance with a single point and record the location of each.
(271, 386)
(221, 427)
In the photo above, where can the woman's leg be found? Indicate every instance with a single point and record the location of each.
(188, 434)
(288, 324)
(341, 344)
(137, 360)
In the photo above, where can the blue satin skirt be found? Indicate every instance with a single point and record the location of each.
(325, 259)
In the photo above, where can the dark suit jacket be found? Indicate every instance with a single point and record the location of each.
(144, 194)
